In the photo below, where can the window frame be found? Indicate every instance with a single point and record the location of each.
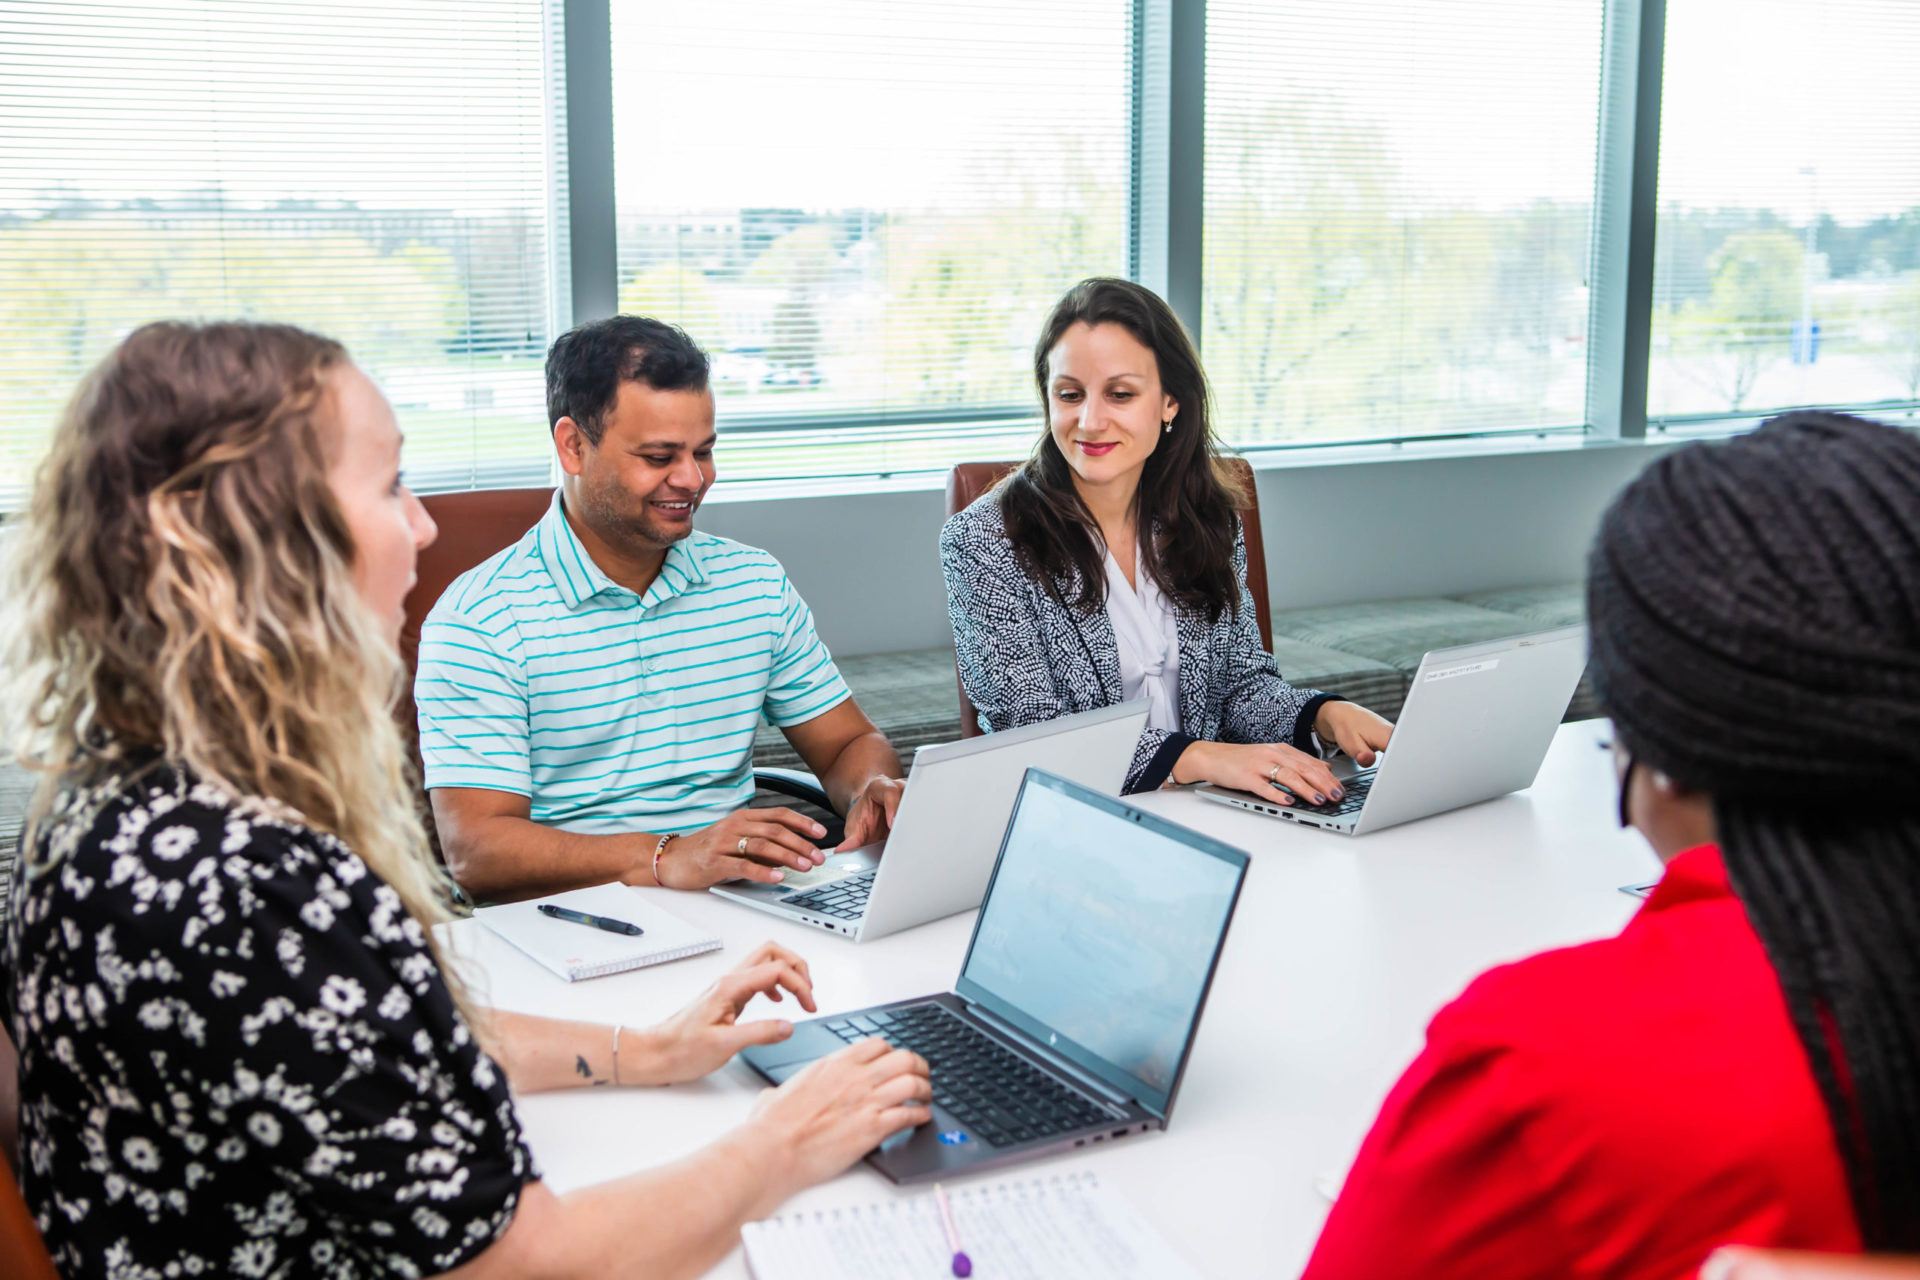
(1165, 215)
(1164, 230)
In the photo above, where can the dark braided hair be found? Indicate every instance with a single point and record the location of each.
(1755, 609)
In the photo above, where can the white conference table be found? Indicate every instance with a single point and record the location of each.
(1340, 951)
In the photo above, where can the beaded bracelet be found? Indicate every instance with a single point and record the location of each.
(659, 849)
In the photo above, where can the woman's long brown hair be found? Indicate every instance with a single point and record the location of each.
(184, 586)
(1185, 497)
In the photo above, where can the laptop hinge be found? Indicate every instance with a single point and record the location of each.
(1115, 1100)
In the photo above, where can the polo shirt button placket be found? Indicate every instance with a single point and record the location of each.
(643, 666)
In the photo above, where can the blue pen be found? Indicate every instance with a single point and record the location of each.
(962, 1264)
(597, 922)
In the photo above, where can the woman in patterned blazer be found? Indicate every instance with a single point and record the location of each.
(1112, 566)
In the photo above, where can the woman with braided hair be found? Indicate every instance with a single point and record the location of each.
(1741, 1065)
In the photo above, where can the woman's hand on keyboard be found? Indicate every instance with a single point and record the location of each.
(838, 1109)
(1354, 729)
(1270, 770)
(703, 1036)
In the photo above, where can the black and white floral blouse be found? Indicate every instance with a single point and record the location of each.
(237, 1055)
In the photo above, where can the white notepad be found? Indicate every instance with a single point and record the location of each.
(576, 951)
(1048, 1228)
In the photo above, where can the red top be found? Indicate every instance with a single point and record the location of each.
(1615, 1110)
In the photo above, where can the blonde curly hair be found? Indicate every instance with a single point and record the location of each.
(183, 583)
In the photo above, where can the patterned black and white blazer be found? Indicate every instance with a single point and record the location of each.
(1026, 656)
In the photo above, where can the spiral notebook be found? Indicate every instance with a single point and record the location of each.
(1065, 1227)
(576, 951)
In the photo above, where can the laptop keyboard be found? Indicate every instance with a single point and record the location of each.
(845, 899)
(1001, 1097)
(1356, 795)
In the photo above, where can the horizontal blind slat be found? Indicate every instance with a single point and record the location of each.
(1398, 215)
(865, 209)
(381, 175)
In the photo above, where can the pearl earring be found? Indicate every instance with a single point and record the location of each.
(1166, 427)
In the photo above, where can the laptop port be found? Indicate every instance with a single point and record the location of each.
(1121, 1133)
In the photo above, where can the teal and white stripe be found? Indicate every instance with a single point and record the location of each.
(612, 711)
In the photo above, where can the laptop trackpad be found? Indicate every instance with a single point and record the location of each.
(838, 866)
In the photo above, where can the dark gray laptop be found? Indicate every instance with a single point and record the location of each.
(1077, 1004)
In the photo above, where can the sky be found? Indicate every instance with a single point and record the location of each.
(835, 104)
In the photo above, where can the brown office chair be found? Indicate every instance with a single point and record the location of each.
(23, 1256)
(474, 526)
(968, 480)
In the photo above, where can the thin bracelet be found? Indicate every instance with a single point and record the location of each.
(616, 1054)
(659, 849)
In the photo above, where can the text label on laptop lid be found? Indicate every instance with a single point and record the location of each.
(1100, 932)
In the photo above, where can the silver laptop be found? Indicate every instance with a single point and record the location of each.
(1476, 725)
(1076, 1007)
(940, 851)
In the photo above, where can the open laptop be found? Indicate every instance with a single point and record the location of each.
(1476, 724)
(940, 850)
(1076, 1007)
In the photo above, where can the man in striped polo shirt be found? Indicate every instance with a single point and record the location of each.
(588, 696)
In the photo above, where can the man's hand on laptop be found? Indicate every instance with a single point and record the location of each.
(871, 814)
(747, 844)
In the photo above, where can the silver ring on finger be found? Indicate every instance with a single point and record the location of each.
(742, 846)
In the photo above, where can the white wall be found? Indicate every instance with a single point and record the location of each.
(1336, 532)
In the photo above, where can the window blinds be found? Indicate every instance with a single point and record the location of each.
(378, 173)
(864, 210)
(1787, 256)
(1397, 215)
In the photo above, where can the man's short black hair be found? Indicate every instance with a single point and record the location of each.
(589, 362)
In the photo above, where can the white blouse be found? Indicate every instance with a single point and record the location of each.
(1148, 641)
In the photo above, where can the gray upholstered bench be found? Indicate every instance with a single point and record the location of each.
(1395, 634)
(1367, 652)
(912, 695)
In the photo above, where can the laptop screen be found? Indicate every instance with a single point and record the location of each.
(1100, 931)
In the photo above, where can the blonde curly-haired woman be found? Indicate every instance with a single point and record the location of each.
(239, 1053)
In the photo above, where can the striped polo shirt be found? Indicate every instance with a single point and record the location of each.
(610, 711)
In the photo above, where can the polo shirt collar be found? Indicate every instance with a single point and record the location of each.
(680, 573)
(579, 579)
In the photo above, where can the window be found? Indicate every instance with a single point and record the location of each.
(379, 174)
(1787, 261)
(864, 210)
(1398, 215)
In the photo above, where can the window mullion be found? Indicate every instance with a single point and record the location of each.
(592, 237)
(1627, 186)
(1169, 134)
